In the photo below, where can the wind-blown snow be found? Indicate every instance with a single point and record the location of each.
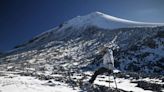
(106, 21)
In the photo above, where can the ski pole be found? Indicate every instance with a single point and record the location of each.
(115, 81)
(109, 81)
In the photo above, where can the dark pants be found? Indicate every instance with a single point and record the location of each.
(98, 72)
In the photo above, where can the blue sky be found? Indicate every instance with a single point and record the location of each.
(20, 20)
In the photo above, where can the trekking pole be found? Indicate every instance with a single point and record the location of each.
(115, 81)
(109, 81)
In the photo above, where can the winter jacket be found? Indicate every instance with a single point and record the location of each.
(108, 60)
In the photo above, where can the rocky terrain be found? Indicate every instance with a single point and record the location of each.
(69, 54)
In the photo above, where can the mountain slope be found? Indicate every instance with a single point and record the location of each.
(76, 26)
(71, 48)
(83, 41)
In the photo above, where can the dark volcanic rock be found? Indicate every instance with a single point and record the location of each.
(150, 86)
(99, 88)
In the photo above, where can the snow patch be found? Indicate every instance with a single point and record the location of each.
(30, 84)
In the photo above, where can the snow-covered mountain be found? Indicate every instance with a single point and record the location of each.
(81, 37)
(76, 26)
(105, 21)
(73, 46)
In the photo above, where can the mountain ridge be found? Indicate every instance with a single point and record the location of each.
(94, 19)
(107, 21)
(81, 45)
(69, 54)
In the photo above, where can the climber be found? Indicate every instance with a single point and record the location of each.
(108, 63)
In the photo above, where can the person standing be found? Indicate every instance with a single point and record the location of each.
(107, 66)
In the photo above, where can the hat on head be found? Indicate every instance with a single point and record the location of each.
(103, 50)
